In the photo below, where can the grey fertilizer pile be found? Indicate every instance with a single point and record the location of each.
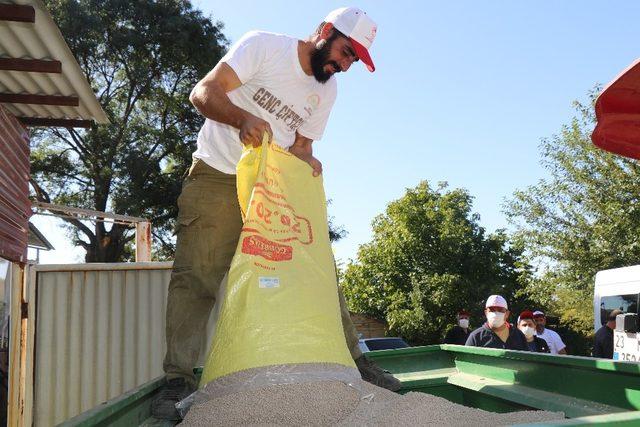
(324, 403)
(423, 409)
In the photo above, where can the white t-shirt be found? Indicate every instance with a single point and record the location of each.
(553, 340)
(274, 88)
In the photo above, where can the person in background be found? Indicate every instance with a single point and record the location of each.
(556, 345)
(527, 326)
(459, 333)
(497, 332)
(603, 345)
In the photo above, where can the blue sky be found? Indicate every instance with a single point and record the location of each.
(463, 92)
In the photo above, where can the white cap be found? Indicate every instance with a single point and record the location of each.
(538, 313)
(496, 301)
(361, 30)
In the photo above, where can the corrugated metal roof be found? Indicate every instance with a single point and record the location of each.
(42, 40)
(37, 239)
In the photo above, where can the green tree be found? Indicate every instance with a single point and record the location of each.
(581, 219)
(142, 59)
(429, 258)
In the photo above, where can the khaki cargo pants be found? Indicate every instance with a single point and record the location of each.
(208, 229)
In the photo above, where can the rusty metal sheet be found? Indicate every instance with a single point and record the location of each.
(15, 207)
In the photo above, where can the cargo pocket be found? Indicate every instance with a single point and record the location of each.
(183, 222)
(186, 243)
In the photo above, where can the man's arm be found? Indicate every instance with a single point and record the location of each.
(302, 149)
(597, 351)
(542, 344)
(472, 341)
(597, 347)
(209, 96)
(560, 344)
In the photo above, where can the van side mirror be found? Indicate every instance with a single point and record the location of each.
(627, 322)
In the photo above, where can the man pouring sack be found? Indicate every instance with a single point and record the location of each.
(266, 83)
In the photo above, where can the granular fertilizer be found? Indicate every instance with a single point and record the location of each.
(390, 409)
(323, 403)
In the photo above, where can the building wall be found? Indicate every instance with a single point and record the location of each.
(15, 208)
(368, 326)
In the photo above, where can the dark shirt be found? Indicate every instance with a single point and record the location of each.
(457, 335)
(603, 345)
(485, 337)
(538, 345)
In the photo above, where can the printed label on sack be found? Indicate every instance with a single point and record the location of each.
(272, 251)
(269, 212)
(269, 282)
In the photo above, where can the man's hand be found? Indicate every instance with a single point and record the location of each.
(315, 164)
(307, 157)
(301, 148)
(252, 130)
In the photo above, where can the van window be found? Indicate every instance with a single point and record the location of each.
(626, 303)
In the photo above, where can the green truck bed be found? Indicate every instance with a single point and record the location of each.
(588, 391)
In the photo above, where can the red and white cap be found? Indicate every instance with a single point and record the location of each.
(361, 30)
(496, 301)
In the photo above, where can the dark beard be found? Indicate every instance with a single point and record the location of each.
(320, 58)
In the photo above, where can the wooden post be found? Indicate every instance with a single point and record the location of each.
(17, 411)
(143, 241)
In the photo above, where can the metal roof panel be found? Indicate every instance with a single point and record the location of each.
(43, 40)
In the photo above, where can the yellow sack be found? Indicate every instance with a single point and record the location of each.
(281, 303)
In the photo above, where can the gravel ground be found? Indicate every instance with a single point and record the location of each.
(324, 403)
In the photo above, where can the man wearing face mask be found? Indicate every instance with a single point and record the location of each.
(459, 333)
(496, 332)
(603, 342)
(556, 345)
(271, 84)
(527, 326)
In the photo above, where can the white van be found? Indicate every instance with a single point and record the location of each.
(618, 288)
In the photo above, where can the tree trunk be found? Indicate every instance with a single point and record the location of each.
(110, 245)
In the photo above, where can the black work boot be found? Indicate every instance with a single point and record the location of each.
(163, 406)
(375, 375)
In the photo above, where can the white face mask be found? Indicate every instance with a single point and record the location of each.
(495, 319)
(464, 323)
(528, 331)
